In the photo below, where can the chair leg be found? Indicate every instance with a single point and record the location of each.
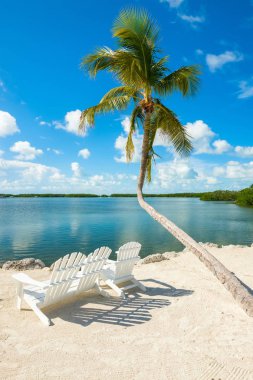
(139, 284)
(44, 319)
(100, 290)
(114, 287)
(20, 294)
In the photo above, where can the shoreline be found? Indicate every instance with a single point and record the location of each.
(152, 258)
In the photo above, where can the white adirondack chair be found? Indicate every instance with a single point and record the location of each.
(68, 279)
(120, 271)
(39, 294)
(89, 275)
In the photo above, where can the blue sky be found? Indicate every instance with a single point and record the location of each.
(43, 90)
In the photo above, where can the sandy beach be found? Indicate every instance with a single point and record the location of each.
(186, 326)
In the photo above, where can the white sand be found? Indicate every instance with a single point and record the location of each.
(187, 326)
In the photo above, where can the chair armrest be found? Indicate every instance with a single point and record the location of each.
(109, 264)
(25, 279)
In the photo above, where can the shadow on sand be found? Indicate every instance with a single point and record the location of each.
(133, 310)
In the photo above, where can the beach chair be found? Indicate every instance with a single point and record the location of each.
(68, 279)
(89, 274)
(40, 294)
(120, 271)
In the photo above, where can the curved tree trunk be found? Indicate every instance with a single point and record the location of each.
(227, 278)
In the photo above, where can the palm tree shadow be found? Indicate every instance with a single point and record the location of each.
(166, 290)
(135, 309)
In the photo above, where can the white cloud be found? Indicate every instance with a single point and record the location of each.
(84, 153)
(28, 171)
(202, 136)
(193, 20)
(56, 151)
(246, 90)
(71, 124)
(42, 122)
(23, 176)
(215, 62)
(1, 152)
(176, 170)
(221, 146)
(173, 3)
(8, 124)
(25, 151)
(235, 170)
(244, 151)
(75, 167)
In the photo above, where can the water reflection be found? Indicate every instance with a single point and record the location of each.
(50, 228)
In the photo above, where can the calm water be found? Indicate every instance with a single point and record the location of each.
(48, 228)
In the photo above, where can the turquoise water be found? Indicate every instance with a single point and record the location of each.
(48, 228)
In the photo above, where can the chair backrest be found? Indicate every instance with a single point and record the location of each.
(64, 273)
(92, 267)
(127, 256)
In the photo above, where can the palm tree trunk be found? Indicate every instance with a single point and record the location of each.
(227, 278)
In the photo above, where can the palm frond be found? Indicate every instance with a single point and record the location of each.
(134, 26)
(172, 130)
(87, 118)
(122, 91)
(185, 80)
(132, 128)
(137, 33)
(101, 59)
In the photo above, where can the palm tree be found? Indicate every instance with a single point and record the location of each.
(143, 75)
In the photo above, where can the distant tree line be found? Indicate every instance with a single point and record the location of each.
(175, 195)
(242, 197)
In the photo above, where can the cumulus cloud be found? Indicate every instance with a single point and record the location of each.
(23, 176)
(202, 136)
(27, 170)
(71, 123)
(75, 167)
(245, 90)
(244, 151)
(84, 153)
(8, 124)
(25, 151)
(221, 146)
(235, 170)
(215, 62)
(192, 20)
(176, 170)
(172, 3)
